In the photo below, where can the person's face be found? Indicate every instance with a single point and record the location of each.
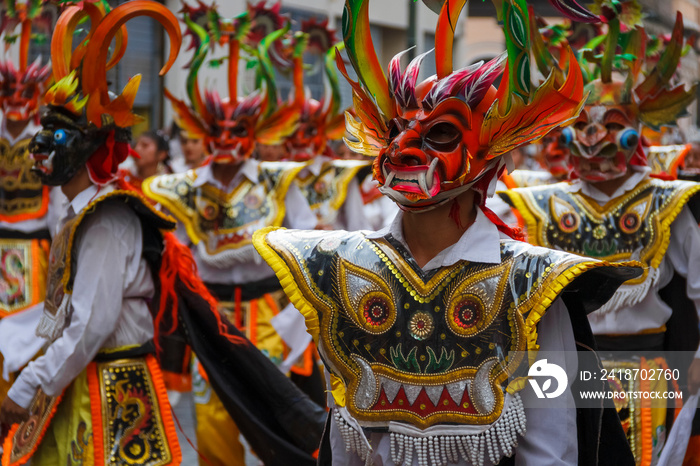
(271, 153)
(692, 158)
(149, 154)
(518, 157)
(193, 151)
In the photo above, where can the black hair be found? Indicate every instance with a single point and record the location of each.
(159, 138)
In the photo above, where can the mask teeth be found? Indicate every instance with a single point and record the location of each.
(423, 185)
(389, 179)
(431, 171)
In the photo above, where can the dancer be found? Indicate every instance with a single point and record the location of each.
(615, 211)
(413, 322)
(95, 395)
(222, 203)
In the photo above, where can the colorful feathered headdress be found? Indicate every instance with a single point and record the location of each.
(647, 78)
(436, 139)
(231, 125)
(85, 122)
(22, 85)
(321, 120)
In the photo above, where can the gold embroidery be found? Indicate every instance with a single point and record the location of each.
(133, 430)
(417, 369)
(225, 221)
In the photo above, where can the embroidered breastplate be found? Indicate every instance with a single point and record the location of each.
(326, 192)
(635, 226)
(421, 348)
(222, 224)
(22, 196)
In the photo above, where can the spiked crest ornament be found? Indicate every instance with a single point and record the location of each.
(320, 120)
(231, 126)
(22, 85)
(628, 88)
(85, 124)
(435, 139)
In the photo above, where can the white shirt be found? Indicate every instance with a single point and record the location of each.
(380, 212)
(298, 216)
(551, 433)
(109, 303)
(682, 255)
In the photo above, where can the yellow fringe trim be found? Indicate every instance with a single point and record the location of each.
(290, 287)
(546, 295)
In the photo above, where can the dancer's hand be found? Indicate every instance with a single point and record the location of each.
(694, 376)
(12, 413)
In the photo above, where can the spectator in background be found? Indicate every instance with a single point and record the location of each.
(691, 163)
(193, 150)
(153, 150)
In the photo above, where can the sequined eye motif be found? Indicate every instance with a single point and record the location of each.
(376, 311)
(631, 219)
(59, 137)
(467, 313)
(628, 139)
(564, 214)
(629, 223)
(368, 296)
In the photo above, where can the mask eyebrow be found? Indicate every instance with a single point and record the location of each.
(615, 115)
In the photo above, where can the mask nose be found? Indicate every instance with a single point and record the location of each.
(592, 134)
(406, 149)
(41, 142)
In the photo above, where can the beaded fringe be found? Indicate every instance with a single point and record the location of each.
(499, 440)
(354, 441)
(627, 295)
(51, 326)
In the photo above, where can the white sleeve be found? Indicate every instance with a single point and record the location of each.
(684, 254)
(299, 214)
(551, 437)
(96, 304)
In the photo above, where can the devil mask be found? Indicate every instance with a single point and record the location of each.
(85, 124)
(605, 136)
(66, 142)
(434, 140)
(554, 154)
(232, 125)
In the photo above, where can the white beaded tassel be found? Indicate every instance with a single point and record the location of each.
(498, 441)
(353, 440)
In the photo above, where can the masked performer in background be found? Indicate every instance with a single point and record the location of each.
(28, 210)
(615, 211)
(331, 185)
(96, 394)
(221, 204)
(413, 322)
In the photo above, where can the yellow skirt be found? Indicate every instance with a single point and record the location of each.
(115, 412)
